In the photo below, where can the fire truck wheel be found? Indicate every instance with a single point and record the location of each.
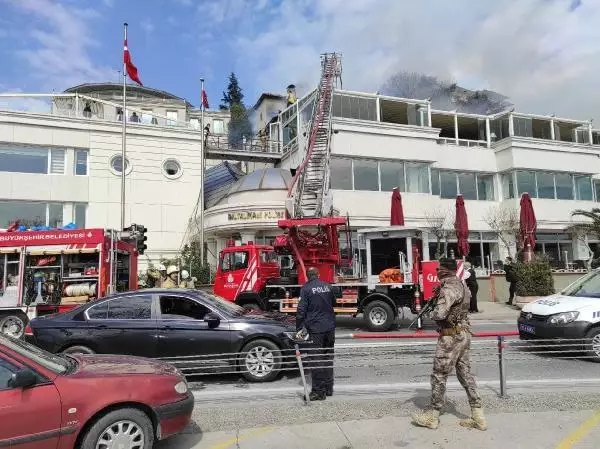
(379, 316)
(13, 324)
(78, 350)
(260, 361)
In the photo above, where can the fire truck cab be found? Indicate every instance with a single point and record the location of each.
(44, 272)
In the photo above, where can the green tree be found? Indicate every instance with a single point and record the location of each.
(233, 94)
(191, 261)
(239, 125)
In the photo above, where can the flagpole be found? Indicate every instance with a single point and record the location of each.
(202, 165)
(124, 139)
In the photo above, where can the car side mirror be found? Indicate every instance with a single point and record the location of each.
(23, 378)
(213, 320)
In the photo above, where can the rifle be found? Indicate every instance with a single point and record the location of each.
(428, 307)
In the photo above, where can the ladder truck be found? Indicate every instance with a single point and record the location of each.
(252, 276)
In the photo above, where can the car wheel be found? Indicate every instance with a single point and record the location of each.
(124, 428)
(260, 361)
(593, 352)
(78, 350)
(13, 325)
(379, 316)
(251, 307)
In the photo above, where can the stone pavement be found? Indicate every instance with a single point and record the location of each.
(527, 430)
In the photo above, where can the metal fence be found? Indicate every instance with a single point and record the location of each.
(304, 359)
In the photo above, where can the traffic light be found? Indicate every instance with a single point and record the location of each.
(141, 238)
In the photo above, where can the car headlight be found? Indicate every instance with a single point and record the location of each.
(564, 318)
(181, 387)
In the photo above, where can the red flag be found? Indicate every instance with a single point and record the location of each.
(204, 100)
(132, 70)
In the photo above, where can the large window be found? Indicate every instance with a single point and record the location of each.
(548, 185)
(30, 214)
(417, 177)
(366, 175)
(472, 186)
(392, 175)
(361, 108)
(218, 127)
(341, 173)
(79, 213)
(25, 159)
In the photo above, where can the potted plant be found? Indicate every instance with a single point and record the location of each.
(534, 280)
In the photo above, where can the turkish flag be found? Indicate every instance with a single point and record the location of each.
(204, 99)
(132, 70)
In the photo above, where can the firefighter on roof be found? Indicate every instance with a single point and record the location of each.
(451, 314)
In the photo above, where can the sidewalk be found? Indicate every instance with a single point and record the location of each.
(495, 311)
(534, 430)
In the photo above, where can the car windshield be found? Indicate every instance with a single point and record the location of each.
(54, 363)
(222, 305)
(587, 286)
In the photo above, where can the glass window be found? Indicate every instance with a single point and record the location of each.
(340, 171)
(130, 308)
(171, 118)
(226, 262)
(17, 159)
(392, 175)
(545, 185)
(268, 257)
(417, 177)
(147, 116)
(178, 308)
(81, 162)
(583, 188)
(435, 181)
(237, 260)
(98, 312)
(467, 186)
(508, 188)
(485, 187)
(116, 164)
(172, 168)
(28, 214)
(54, 363)
(448, 187)
(523, 127)
(195, 123)
(57, 161)
(79, 215)
(526, 183)
(564, 186)
(55, 215)
(218, 127)
(597, 190)
(366, 176)
(6, 372)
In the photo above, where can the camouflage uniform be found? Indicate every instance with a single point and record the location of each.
(451, 314)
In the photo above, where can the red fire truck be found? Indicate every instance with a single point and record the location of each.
(44, 272)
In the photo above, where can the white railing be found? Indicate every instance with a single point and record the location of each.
(461, 142)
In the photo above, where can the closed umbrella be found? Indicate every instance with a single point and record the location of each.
(461, 226)
(527, 224)
(397, 214)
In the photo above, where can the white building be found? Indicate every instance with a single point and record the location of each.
(63, 163)
(381, 142)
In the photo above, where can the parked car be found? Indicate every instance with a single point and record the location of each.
(573, 313)
(172, 323)
(87, 401)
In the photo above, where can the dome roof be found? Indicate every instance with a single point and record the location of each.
(263, 179)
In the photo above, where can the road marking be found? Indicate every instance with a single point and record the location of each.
(241, 437)
(581, 432)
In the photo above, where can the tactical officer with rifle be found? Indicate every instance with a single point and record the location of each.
(451, 313)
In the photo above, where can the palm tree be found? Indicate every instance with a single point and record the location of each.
(591, 226)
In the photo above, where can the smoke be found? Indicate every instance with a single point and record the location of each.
(443, 94)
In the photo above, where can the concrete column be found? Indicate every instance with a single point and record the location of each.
(488, 133)
(248, 236)
(378, 109)
(425, 241)
(552, 136)
(429, 113)
(456, 129)
(590, 134)
(511, 125)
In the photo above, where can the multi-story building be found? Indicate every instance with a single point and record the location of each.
(62, 163)
(381, 142)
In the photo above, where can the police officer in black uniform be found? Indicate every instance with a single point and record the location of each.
(315, 314)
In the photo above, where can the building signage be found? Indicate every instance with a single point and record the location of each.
(58, 237)
(258, 215)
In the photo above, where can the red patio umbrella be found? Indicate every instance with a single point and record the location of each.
(461, 226)
(527, 223)
(397, 213)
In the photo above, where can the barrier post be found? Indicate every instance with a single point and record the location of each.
(418, 309)
(501, 366)
(302, 375)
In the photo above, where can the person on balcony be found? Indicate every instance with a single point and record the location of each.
(87, 111)
(134, 118)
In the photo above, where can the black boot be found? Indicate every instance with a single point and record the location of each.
(329, 392)
(315, 396)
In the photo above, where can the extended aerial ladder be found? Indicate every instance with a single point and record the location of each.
(311, 229)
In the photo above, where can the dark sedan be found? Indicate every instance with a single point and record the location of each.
(161, 323)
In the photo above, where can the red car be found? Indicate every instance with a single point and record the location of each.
(100, 401)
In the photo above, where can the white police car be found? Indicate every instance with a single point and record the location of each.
(572, 313)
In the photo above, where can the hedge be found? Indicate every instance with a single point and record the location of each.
(534, 278)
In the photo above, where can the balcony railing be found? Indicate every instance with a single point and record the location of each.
(461, 142)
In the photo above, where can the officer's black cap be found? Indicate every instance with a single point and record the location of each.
(448, 264)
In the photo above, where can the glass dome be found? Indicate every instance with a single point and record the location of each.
(263, 179)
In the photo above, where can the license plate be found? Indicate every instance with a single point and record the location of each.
(526, 328)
